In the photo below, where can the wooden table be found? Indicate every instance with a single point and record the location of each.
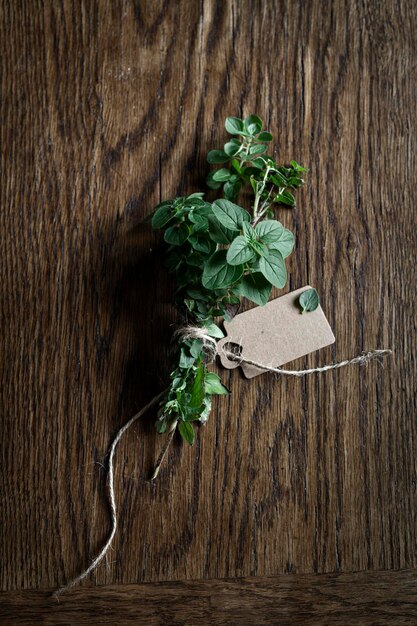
(107, 108)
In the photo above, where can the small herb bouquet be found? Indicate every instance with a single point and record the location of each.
(220, 253)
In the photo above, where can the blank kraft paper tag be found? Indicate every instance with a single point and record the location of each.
(275, 334)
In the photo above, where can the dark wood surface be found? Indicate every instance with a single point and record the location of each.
(108, 107)
(366, 598)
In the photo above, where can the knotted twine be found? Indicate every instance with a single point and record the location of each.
(211, 351)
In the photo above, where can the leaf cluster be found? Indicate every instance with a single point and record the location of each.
(191, 389)
(245, 155)
(219, 255)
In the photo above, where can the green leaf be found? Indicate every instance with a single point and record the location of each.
(221, 175)
(259, 163)
(213, 385)
(253, 124)
(196, 348)
(231, 300)
(297, 167)
(214, 331)
(272, 266)
(217, 156)
(234, 125)
(186, 361)
(210, 182)
(230, 215)
(258, 246)
(193, 414)
(186, 431)
(239, 251)
(203, 309)
(269, 230)
(178, 383)
(198, 195)
(231, 190)
(206, 410)
(200, 223)
(294, 182)
(231, 148)
(279, 179)
(197, 389)
(196, 294)
(190, 304)
(200, 210)
(254, 287)
(309, 300)
(284, 244)
(285, 198)
(196, 260)
(201, 244)
(258, 149)
(265, 137)
(249, 231)
(162, 216)
(161, 425)
(236, 166)
(218, 232)
(218, 273)
(176, 235)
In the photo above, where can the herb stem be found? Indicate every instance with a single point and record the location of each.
(259, 192)
(164, 450)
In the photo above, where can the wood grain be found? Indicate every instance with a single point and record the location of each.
(366, 598)
(110, 106)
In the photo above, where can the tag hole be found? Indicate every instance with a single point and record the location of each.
(234, 348)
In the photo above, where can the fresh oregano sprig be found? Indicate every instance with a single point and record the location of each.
(219, 253)
(246, 156)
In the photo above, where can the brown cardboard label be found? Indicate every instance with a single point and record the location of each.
(276, 334)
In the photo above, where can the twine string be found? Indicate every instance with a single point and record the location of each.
(195, 332)
(111, 497)
(211, 350)
(361, 359)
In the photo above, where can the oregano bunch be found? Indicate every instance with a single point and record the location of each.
(219, 253)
